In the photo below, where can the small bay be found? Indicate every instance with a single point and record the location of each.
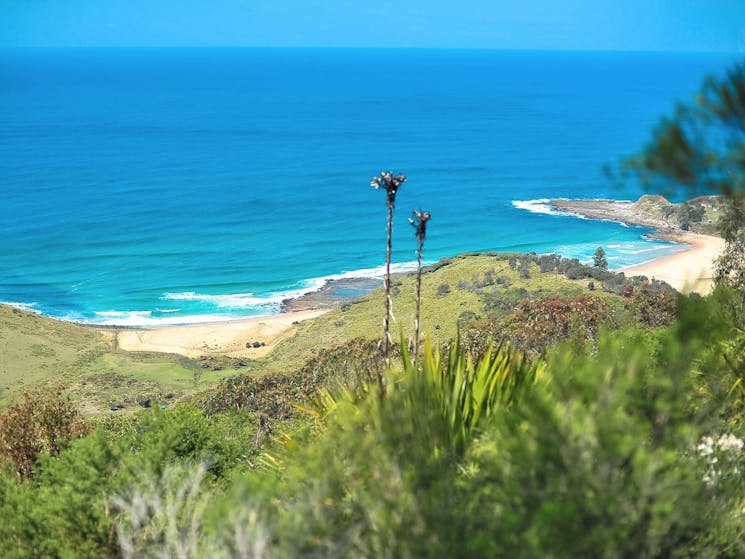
(165, 186)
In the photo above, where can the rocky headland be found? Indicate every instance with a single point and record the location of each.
(698, 215)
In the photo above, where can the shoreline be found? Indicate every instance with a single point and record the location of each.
(690, 270)
(251, 337)
(248, 337)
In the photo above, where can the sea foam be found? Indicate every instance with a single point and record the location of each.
(145, 319)
(227, 306)
(28, 307)
(541, 206)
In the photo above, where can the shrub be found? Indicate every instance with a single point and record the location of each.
(64, 512)
(394, 461)
(525, 268)
(45, 420)
(272, 397)
(443, 290)
(597, 463)
(537, 324)
(654, 307)
(465, 318)
(498, 305)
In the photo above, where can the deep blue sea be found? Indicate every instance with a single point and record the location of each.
(156, 186)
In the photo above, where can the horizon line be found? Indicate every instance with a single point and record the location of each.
(360, 48)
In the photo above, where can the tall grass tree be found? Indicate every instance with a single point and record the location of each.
(419, 222)
(390, 183)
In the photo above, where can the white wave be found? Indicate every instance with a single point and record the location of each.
(252, 301)
(229, 300)
(145, 319)
(244, 300)
(29, 307)
(116, 314)
(369, 273)
(655, 248)
(237, 305)
(538, 206)
(542, 206)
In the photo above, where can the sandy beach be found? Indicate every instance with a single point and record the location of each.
(234, 338)
(688, 271)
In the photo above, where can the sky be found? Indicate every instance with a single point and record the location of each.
(646, 25)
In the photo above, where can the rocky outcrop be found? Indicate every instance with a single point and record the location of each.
(698, 215)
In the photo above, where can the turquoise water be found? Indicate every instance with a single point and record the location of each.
(156, 186)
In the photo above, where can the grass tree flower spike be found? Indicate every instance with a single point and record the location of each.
(419, 222)
(390, 183)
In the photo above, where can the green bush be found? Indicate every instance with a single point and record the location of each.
(596, 463)
(65, 512)
(631, 447)
(602, 459)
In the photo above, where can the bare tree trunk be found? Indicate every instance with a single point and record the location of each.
(415, 353)
(390, 184)
(382, 380)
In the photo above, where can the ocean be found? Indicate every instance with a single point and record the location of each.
(169, 186)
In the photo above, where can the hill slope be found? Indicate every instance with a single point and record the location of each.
(36, 350)
(455, 291)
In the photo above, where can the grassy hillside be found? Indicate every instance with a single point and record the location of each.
(456, 291)
(36, 349)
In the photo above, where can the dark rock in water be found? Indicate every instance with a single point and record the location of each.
(332, 293)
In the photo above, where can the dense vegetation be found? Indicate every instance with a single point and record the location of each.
(242, 452)
(626, 442)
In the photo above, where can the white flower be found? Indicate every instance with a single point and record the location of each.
(730, 442)
(706, 446)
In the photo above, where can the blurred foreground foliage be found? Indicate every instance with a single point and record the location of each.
(616, 443)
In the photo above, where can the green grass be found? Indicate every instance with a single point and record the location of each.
(36, 349)
(364, 317)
